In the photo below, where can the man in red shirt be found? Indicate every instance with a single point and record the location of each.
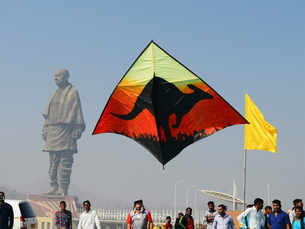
(139, 217)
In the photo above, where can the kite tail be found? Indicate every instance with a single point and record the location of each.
(134, 113)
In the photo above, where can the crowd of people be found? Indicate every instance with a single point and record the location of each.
(256, 216)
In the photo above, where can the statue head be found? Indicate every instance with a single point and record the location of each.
(61, 77)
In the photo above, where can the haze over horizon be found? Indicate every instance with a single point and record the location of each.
(253, 47)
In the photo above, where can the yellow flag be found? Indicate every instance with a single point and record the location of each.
(259, 134)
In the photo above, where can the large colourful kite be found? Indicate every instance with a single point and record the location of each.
(164, 106)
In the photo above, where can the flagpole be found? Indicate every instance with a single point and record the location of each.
(268, 194)
(245, 170)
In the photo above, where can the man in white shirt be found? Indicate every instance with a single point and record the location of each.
(255, 217)
(210, 215)
(88, 219)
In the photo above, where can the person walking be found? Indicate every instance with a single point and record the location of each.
(210, 215)
(253, 216)
(139, 217)
(299, 221)
(6, 213)
(168, 223)
(268, 210)
(88, 219)
(177, 225)
(222, 220)
(296, 203)
(245, 224)
(278, 219)
(63, 217)
(187, 221)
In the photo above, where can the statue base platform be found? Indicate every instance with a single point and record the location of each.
(46, 205)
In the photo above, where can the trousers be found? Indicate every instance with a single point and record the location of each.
(60, 169)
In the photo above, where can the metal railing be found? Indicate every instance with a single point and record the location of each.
(158, 215)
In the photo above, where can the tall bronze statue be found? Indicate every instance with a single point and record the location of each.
(64, 124)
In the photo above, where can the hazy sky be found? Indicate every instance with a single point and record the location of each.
(238, 47)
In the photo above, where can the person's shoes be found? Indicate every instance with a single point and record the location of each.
(52, 191)
(61, 192)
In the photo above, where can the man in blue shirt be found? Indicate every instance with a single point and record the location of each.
(222, 220)
(278, 219)
(63, 218)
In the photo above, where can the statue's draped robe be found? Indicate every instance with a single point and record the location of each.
(63, 115)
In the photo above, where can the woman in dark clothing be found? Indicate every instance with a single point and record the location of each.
(177, 225)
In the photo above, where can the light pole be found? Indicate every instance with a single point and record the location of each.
(187, 197)
(195, 204)
(268, 194)
(187, 193)
(175, 196)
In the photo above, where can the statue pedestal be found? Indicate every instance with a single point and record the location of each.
(47, 205)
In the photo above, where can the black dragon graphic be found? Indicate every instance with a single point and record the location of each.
(163, 99)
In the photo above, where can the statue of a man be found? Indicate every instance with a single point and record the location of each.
(64, 124)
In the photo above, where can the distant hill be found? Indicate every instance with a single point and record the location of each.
(12, 194)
